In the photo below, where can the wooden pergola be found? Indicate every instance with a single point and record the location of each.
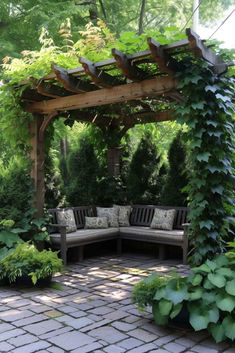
(114, 94)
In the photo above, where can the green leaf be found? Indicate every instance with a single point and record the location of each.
(230, 287)
(176, 292)
(208, 284)
(229, 326)
(196, 143)
(176, 310)
(198, 319)
(212, 122)
(165, 307)
(9, 239)
(211, 88)
(195, 79)
(213, 168)
(217, 332)
(213, 314)
(208, 297)
(4, 252)
(218, 189)
(160, 293)
(199, 133)
(217, 280)
(227, 272)
(203, 156)
(202, 268)
(226, 303)
(221, 260)
(222, 98)
(206, 224)
(158, 318)
(196, 294)
(214, 133)
(17, 230)
(34, 278)
(211, 264)
(196, 280)
(198, 106)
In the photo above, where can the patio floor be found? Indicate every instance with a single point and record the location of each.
(91, 311)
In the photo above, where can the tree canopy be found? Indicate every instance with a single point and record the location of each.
(21, 21)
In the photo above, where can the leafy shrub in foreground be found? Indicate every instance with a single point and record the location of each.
(208, 293)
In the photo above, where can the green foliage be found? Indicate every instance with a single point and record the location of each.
(9, 236)
(83, 173)
(176, 179)
(208, 111)
(122, 15)
(31, 229)
(26, 260)
(208, 293)
(144, 291)
(16, 190)
(142, 185)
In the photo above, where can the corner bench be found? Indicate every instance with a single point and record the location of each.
(139, 230)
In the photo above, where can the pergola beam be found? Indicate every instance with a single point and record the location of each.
(99, 77)
(132, 72)
(201, 51)
(162, 58)
(129, 121)
(50, 90)
(117, 94)
(71, 83)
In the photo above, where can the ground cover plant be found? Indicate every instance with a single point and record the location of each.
(26, 261)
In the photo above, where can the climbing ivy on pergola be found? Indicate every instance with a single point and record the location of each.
(181, 80)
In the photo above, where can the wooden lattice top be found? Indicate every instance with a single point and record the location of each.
(133, 79)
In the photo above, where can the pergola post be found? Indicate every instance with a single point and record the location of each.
(37, 140)
(37, 157)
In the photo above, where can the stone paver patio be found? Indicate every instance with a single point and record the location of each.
(90, 310)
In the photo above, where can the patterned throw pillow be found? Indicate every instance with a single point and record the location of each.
(123, 215)
(163, 219)
(67, 217)
(96, 222)
(111, 213)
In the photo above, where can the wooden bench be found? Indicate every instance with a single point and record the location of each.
(139, 230)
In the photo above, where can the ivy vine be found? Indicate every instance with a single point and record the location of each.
(208, 111)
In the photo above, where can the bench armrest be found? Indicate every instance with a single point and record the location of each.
(57, 225)
(185, 225)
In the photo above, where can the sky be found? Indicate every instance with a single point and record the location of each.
(226, 33)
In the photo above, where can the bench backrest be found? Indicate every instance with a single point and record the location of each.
(79, 214)
(142, 215)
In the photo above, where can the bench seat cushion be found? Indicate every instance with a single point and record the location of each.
(173, 237)
(85, 236)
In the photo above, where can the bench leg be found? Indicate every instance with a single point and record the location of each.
(81, 253)
(63, 253)
(63, 247)
(185, 255)
(161, 252)
(119, 246)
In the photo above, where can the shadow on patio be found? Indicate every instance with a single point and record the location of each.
(90, 310)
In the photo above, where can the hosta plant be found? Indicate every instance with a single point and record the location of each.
(208, 293)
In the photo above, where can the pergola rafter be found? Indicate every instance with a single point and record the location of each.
(92, 93)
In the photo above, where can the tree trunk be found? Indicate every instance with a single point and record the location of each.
(141, 17)
(113, 159)
(93, 11)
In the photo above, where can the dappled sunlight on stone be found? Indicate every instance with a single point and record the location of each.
(91, 308)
